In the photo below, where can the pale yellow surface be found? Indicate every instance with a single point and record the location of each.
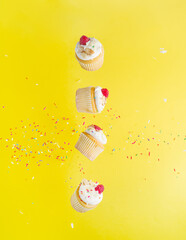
(145, 197)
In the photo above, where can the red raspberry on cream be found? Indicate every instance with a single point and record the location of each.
(84, 39)
(97, 133)
(97, 128)
(99, 188)
(105, 92)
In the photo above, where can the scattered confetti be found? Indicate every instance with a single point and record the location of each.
(31, 143)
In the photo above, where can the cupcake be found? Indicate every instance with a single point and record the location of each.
(89, 53)
(91, 142)
(91, 99)
(87, 196)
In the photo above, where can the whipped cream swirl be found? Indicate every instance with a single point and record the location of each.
(91, 50)
(100, 99)
(97, 134)
(88, 194)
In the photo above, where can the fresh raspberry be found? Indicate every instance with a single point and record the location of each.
(84, 40)
(97, 128)
(105, 92)
(99, 188)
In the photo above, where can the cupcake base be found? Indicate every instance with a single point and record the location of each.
(85, 100)
(94, 64)
(78, 204)
(89, 146)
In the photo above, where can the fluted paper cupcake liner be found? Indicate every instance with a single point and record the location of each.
(84, 100)
(75, 202)
(88, 147)
(93, 65)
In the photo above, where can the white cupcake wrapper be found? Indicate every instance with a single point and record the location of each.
(76, 204)
(93, 66)
(88, 147)
(84, 100)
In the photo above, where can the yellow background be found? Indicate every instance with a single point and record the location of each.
(145, 197)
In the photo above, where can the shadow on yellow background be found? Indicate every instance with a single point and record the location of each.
(144, 163)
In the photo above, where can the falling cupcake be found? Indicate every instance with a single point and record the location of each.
(91, 142)
(91, 99)
(89, 53)
(87, 196)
